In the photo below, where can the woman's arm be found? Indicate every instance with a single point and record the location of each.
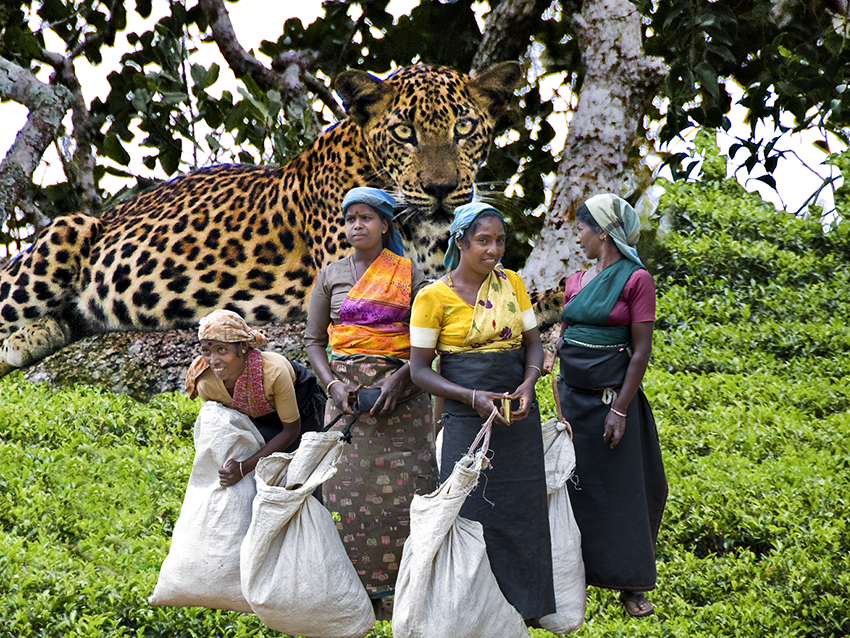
(233, 471)
(340, 391)
(433, 383)
(615, 425)
(533, 371)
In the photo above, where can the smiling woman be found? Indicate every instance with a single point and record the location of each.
(232, 372)
(478, 318)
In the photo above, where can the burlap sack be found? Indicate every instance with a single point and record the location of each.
(202, 566)
(567, 565)
(445, 586)
(296, 574)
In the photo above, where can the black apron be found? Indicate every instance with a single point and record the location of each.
(618, 495)
(510, 501)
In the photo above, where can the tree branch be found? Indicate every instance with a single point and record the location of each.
(47, 105)
(289, 85)
(507, 31)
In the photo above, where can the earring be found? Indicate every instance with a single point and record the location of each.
(244, 351)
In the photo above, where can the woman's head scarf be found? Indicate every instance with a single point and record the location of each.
(229, 327)
(382, 202)
(617, 218)
(464, 216)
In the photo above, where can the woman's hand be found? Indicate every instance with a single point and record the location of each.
(230, 474)
(615, 427)
(341, 395)
(525, 394)
(484, 402)
(391, 389)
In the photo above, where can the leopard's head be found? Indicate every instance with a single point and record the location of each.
(427, 130)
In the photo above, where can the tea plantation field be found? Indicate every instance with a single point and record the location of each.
(749, 381)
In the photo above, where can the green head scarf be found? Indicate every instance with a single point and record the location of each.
(617, 218)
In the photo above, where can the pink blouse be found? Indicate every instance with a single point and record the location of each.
(635, 304)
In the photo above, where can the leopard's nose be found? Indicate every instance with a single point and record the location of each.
(440, 190)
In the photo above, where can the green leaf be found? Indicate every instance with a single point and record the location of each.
(114, 150)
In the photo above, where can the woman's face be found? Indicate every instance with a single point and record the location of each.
(485, 247)
(225, 359)
(364, 227)
(589, 240)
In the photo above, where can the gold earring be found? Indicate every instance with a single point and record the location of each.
(244, 351)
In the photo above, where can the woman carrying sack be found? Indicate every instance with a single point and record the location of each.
(231, 371)
(479, 319)
(360, 306)
(604, 349)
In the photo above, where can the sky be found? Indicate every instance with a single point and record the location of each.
(797, 177)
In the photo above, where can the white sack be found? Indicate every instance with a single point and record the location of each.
(445, 586)
(296, 574)
(567, 564)
(202, 566)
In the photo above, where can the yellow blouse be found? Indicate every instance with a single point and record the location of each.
(278, 387)
(442, 320)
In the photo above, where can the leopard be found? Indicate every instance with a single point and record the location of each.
(252, 238)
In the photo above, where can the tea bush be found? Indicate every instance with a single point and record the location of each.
(749, 383)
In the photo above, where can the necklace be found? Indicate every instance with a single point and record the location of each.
(451, 285)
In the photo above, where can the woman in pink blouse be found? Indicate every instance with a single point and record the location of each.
(605, 343)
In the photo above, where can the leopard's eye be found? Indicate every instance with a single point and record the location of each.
(404, 133)
(464, 127)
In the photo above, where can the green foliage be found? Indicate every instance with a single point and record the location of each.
(749, 383)
(789, 57)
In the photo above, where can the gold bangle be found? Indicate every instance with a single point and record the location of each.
(618, 413)
(240, 469)
(328, 386)
(473, 399)
(539, 371)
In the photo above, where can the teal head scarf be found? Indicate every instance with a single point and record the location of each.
(464, 216)
(382, 202)
(617, 218)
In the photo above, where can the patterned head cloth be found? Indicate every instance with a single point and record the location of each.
(227, 326)
(617, 218)
(464, 216)
(382, 202)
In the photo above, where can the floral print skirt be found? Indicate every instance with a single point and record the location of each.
(390, 458)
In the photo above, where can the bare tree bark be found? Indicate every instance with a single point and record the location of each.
(507, 32)
(47, 106)
(599, 155)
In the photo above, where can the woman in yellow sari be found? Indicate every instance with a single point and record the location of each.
(360, 307)
(478, 319)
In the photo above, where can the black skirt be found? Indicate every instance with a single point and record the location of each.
(618, 496)
(510, 500)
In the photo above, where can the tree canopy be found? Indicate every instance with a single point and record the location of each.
(789, 56)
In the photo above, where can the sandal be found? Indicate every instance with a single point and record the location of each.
(636, 604)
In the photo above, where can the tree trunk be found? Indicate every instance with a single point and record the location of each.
(601, 148)
(47, 105)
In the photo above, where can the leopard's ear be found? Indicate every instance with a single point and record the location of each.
(494, 86)
(363, 95)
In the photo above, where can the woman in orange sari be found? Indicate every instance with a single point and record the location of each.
(360, 307)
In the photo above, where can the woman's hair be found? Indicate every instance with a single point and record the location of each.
(470, 230)
(584, 216)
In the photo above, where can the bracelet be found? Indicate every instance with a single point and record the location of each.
(539, 371)
(618, 413)
(473, 399)
(240, 469)
(328, 386)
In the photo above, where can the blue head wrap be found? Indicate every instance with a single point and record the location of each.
(617, 218)
(464, 216)
(382, 202)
